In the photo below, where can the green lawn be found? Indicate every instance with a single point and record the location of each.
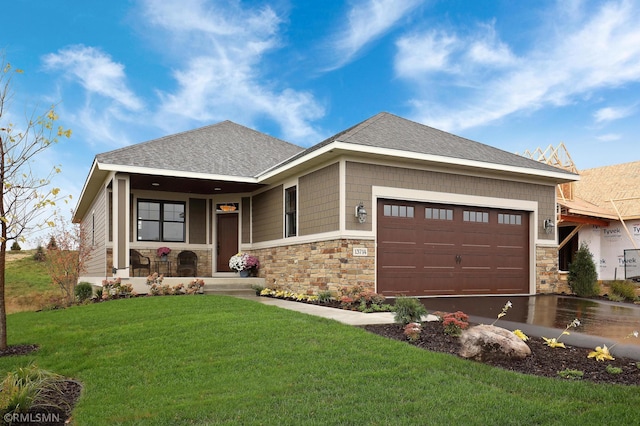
(28, 284)
(222, 360)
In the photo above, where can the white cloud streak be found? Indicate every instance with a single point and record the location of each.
(367, 20)
(605, 115)
(222, 50)
(586, 53)
(96, 72)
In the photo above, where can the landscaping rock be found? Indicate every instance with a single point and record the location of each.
(488, 342)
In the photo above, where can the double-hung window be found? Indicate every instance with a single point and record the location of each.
(290, 212)
(161, 221)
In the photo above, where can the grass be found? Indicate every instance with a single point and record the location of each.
(28, 285)
(222, 360)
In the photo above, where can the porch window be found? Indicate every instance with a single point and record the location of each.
(161, 221)
(290, 210)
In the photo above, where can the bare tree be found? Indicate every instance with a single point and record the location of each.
(67, 258)
(28, 201)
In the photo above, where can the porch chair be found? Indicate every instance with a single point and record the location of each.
(138, 261)
(187, 264)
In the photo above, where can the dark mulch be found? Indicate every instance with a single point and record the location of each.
(543, 361)
(18, 350)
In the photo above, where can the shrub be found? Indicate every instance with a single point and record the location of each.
(15, 246)
(325, 296)
(412, 331)
(454, 323)
(583, 278)
(624, 289)
(408, 310)
(39, 255)
(83, 291)
(613, 370)
(358, 298)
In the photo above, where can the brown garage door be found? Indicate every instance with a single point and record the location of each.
(433, 249)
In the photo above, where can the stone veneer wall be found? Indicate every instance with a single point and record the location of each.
(313, 267)
(548, 278)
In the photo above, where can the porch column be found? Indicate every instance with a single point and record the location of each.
(121, 225)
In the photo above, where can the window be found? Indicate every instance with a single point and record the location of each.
(396, 210)
(473, 216)
(290, 210)
(439, 214)
(161, 221)
(509, 219)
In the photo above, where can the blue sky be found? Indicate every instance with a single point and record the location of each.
(516, 75)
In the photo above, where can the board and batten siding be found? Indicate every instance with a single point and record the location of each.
(95, 226)
(319, 201)
(268, 215)
(360, 177)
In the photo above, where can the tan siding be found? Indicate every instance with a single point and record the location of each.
(319, 201)
(245, 209)
(268, 214)
(197, 221)
(96, 227)
(361, 177)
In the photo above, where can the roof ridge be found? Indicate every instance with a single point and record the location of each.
(355, 129)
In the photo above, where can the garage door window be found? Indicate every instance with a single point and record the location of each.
(395, 210)
(474, 216)
(509, 219)
(438, 214)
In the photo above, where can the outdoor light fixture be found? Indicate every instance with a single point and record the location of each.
(361, 213)
(548, 226)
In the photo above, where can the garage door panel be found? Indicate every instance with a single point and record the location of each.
(455, 250)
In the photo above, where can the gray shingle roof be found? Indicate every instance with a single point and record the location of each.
(389, 131)
(225, 148)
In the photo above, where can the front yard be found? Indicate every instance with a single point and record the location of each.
(222, 360)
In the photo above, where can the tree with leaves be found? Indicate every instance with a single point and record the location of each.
(28, 202)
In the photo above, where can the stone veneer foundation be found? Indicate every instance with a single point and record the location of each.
(313, 267)
(548, 278)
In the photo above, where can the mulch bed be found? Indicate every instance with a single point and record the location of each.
(543, 361)
(59, 403)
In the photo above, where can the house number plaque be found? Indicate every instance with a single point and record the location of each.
(360, 251)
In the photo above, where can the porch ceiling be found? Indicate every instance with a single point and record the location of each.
(190, 186)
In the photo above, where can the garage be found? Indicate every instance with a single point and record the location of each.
(428, 249)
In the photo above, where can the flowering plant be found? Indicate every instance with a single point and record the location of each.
(555, 342)
(602, 352)
(455, 322)
(242, 261)
(504, 311)
(163, 251)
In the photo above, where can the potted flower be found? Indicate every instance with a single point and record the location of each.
(162, 253)
(244, 263)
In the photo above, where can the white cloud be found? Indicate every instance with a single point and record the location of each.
(585, 52)
(607, 114)
(367, 20)
(96, 72)
(220, 74)
(609, 137)
(424, 53)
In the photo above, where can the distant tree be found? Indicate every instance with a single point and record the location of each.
(28, 202)
(583, 277)
(15, 246)
(52, 243)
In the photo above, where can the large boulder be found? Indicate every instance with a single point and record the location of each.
(487, 342)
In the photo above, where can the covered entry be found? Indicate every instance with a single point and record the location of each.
(426, 249)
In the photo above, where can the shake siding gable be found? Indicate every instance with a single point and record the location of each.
(361, 177)
(268, 215)
(319, 201)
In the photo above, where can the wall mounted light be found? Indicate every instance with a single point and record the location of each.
(361, 213)
(548, 226)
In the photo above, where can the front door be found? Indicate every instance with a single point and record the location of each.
(227, 232)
